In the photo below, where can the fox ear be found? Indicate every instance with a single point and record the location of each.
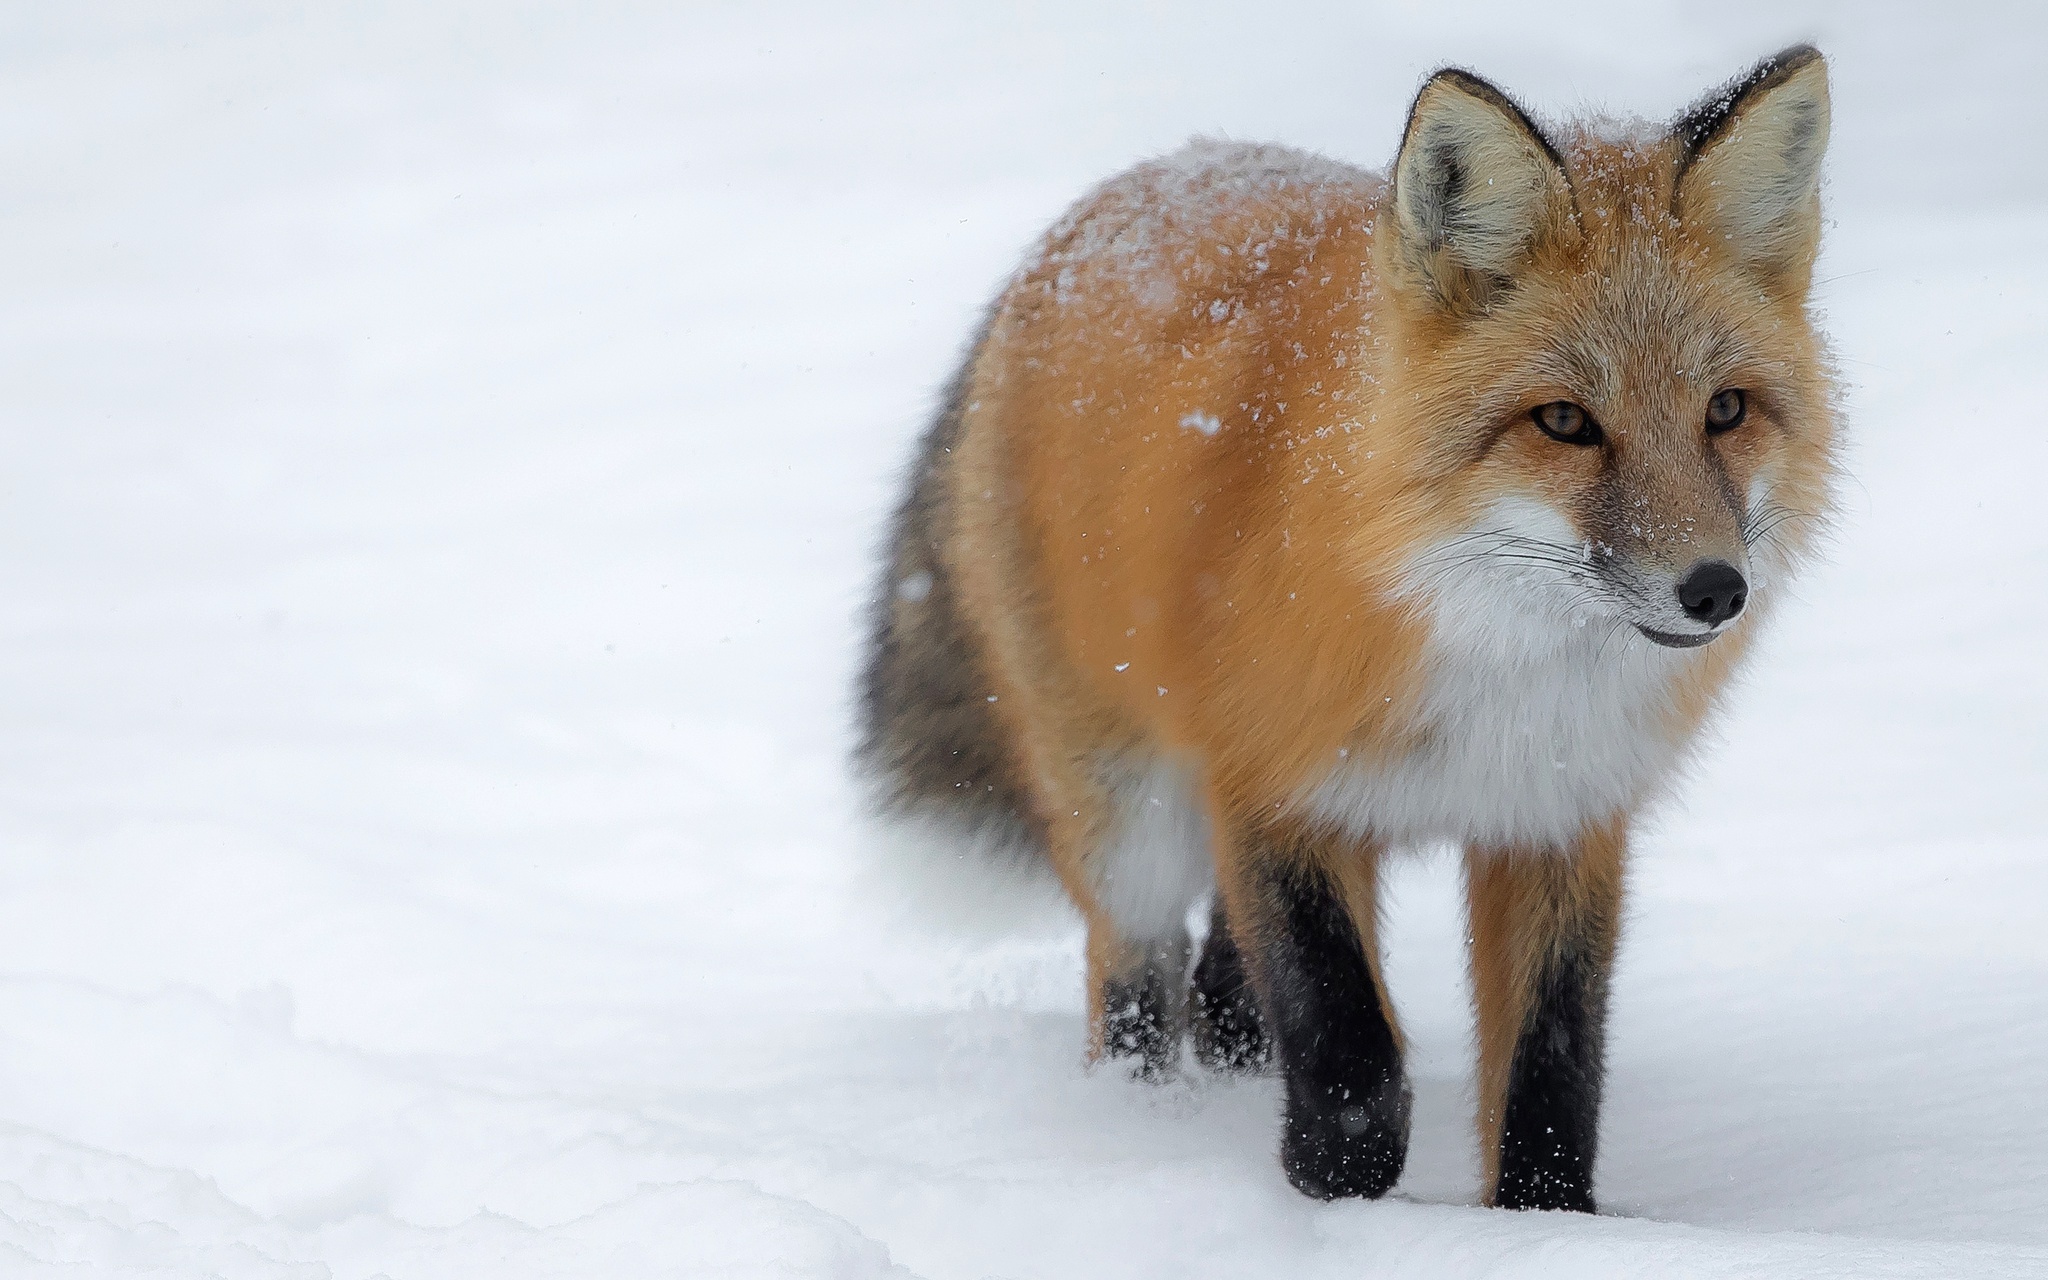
(1477, 187)
(1749, 162)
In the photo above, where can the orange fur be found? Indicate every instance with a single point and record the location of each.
(1225, 417)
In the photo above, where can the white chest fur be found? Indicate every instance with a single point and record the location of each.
(1536, 719)
(1523, 753)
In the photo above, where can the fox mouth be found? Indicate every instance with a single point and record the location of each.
(1671, 641)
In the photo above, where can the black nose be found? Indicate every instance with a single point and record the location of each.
(1713, 591)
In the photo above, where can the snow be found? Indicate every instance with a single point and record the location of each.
(445, 449)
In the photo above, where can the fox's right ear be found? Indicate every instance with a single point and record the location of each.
(1477, 188)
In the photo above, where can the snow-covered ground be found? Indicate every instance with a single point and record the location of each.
(442, 452)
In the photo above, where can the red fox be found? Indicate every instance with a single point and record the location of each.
(1285, 514)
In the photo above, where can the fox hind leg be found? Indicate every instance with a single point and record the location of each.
(1135, 873)
(1225, 1025)
(1139, 997)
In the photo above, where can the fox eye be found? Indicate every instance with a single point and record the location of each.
(1726, 411)
(1563, 420)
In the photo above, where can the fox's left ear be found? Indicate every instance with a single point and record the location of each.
(1749, 162)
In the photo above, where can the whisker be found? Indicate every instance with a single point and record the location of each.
(1614, 629)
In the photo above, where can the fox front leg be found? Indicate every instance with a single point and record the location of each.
(1543, 929)
(1304, 914)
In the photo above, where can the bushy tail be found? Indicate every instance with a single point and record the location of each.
(929, 743)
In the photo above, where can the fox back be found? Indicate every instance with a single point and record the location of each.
(1285, 513)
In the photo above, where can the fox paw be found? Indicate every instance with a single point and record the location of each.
(1138, 1025)
(1227, 1031)
(1538, 1188)
(1340, 1142)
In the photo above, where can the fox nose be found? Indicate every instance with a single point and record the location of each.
(1713, 591)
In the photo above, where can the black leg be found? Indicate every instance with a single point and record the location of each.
(1543, 938)
(1228, 1033)
(1142, 1006)
(1346, 1124)
(1551, 1125)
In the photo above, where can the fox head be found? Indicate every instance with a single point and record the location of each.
(1605, 343)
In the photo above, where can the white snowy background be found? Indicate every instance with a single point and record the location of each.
(443, 452)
